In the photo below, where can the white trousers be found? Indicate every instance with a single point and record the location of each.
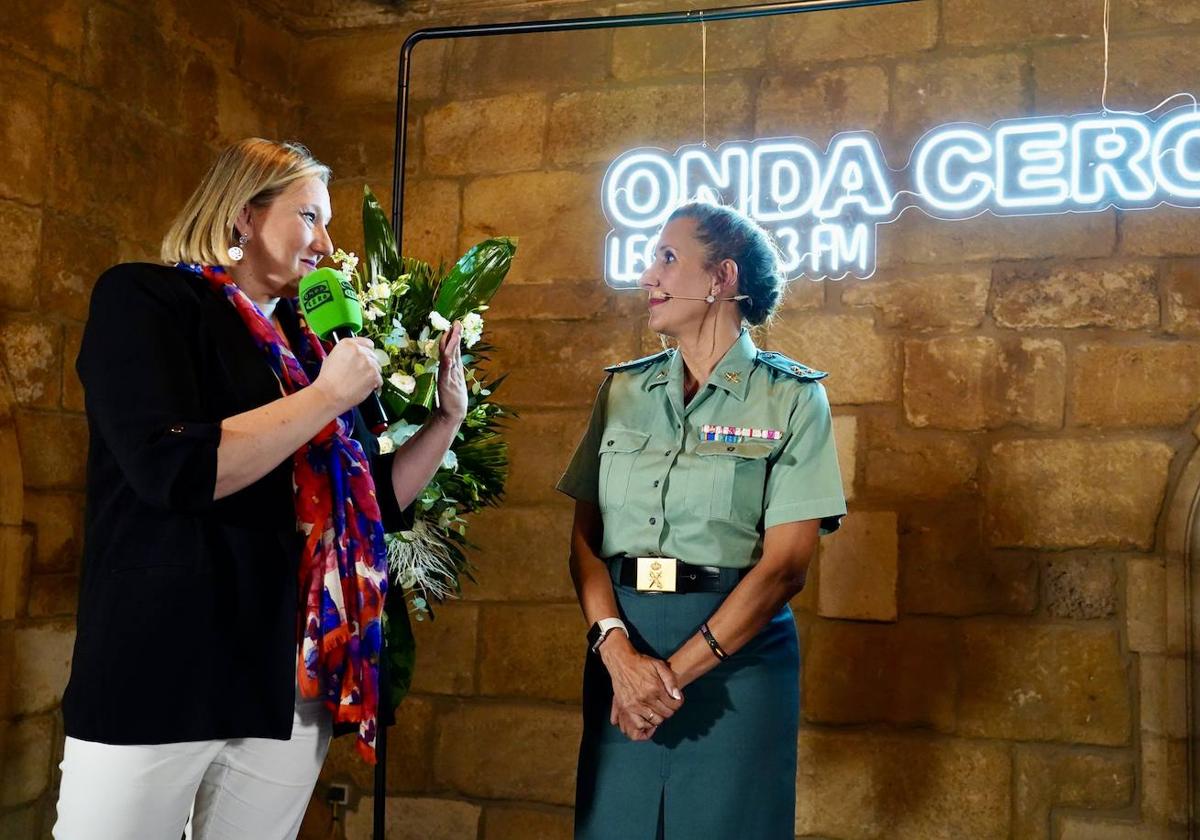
(243, 788)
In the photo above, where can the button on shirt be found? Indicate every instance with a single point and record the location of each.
(668, 485)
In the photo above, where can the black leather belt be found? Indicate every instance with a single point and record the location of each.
(667, 574)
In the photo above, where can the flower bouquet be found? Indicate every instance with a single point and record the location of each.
(407, 306)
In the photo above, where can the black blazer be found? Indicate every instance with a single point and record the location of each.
(188, 607)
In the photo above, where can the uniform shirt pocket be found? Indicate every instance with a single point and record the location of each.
(619, 449)
(732, 476)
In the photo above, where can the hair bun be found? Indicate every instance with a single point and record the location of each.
(727, 234)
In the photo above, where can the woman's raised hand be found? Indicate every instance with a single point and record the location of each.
(452, 382)
(349, 373)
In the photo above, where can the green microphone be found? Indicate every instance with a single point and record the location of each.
(333, 312)
(330, 304)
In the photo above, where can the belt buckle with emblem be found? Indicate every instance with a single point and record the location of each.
(656, 574)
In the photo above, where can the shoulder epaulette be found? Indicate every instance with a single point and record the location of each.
(637, 363)
(791, 367)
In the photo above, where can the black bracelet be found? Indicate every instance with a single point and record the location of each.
(715, 646)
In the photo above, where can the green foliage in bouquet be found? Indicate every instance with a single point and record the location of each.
(407, 305)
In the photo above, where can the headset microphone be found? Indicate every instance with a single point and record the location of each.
(709, 299)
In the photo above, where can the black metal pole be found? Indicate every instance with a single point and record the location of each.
(752, 10)
(381, 741)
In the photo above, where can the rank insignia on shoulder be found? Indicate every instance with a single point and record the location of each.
(791, 367)
(637, 363)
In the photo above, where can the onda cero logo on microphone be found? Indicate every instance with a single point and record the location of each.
(315, 296)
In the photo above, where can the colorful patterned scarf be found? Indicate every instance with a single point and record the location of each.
(343, 567)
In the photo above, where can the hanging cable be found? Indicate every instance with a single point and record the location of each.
(1104, 87)
(703, 80)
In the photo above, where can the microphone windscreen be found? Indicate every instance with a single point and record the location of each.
(329, 302)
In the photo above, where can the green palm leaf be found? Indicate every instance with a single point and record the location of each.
(475, 277)
(382, 258)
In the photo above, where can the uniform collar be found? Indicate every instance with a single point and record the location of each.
(671, 371)
(732, 373)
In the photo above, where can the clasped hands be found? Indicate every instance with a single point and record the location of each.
(645, 690)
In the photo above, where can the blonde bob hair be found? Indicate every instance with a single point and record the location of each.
(252, 171)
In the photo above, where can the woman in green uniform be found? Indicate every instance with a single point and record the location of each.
(704, 479)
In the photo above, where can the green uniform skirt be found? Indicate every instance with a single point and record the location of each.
(724, 766)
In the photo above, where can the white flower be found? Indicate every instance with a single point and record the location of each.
(401, 432)
(439, 323)
(472, 327)
(386, 445)
(379, 291)
(429, 348)
(347, 263)
(397, 339)
(372, 313)
(380, 357)
(403, 383)
(449, 462)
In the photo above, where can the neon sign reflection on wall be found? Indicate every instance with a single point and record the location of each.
(825, 207)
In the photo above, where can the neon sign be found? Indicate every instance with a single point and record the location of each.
(824, 208)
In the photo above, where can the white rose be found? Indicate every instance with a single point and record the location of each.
(472, 328)
(379, 291)
(403, 383)
(386, 445)
(439, 323)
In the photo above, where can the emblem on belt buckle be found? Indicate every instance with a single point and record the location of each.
(656, 574)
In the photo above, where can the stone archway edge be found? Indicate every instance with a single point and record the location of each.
(1181, 542)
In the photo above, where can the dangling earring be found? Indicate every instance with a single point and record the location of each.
(235, 251)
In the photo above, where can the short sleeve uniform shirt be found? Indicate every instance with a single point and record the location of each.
(754, 448)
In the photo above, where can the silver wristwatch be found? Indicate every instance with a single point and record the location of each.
(600, 630)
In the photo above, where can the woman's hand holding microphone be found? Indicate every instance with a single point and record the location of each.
(350, 373)
(255, 442)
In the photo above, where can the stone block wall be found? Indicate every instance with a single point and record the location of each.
(993, 644)
(1013, 400)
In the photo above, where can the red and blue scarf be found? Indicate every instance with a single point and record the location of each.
(343, 567)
